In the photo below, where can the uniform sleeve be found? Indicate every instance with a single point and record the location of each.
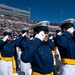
(51, 44)
(18, 41)
(30, 50)
(1, 42)
(8, 49)
(61, 41)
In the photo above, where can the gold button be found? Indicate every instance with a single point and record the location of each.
(45, 61)
(46, 70)
(43, 57)
(41, 52)
(45, 66)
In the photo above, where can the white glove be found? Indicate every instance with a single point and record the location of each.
(40, 35)
(59, 33)
(24, 34)
(5, 38)
(70, 30)
(51, 37)
(31, 38)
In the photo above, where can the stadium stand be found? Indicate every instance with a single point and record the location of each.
(16, 23)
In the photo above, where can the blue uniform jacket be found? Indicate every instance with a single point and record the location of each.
(7, 49)
(66, 45)
(39, 55)
(1, 44)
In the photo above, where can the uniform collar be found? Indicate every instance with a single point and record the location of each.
(69, 35)
(45, 43)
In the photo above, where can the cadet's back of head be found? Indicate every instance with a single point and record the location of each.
(24, 30)
(7, 32)
(67, 24)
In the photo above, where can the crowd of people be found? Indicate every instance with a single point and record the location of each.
(14, 23)
(41, 54)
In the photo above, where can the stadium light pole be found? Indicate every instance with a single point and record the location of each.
(29, 8)
(61, 13)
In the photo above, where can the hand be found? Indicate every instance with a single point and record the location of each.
(5, 38)
(70, 30)
(59, 33)
(40, 35)
(24, 34)
(51, 37)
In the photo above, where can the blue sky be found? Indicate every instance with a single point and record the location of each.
(52, 10)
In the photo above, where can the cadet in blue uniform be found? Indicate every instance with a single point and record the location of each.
(38, 52)
(25, 67)
(57, 54)
(5, 63)
(66, 47)
(7, 50)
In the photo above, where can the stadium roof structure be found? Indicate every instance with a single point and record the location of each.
(7, 10)
(54, 24)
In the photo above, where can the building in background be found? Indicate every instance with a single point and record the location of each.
(16, 19)
(7, 10)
